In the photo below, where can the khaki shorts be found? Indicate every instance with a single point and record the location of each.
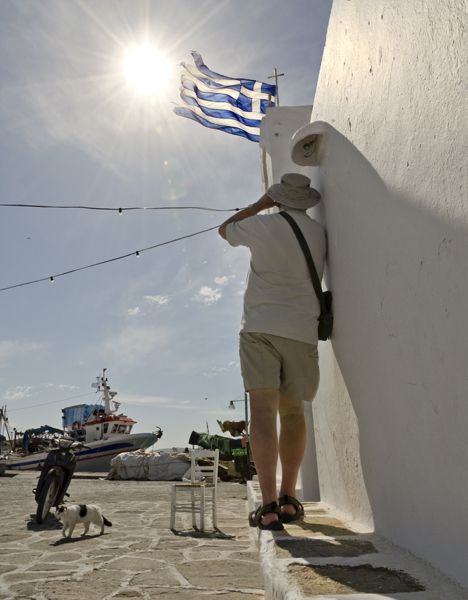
(273, 362)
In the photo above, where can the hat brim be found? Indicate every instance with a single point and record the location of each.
(301, 200)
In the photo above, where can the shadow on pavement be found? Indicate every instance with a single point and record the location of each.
(51, 522)
(196, 533)
(72, 540)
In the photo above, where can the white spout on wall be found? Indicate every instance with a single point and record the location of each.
(308, 144)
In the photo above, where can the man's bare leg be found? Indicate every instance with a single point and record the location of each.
(292, 443)
(264, 443)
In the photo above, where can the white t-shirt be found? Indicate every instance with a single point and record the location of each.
(280, 298)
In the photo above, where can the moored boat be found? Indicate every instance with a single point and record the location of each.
(99, 426)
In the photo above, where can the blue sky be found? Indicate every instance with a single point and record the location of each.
(165, 325)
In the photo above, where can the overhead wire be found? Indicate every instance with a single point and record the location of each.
(109, 260)
(119, 209)
(50, 402)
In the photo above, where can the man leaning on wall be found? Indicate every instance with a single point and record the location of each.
(278, 337)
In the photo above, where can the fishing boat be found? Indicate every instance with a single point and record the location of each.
(103, 430)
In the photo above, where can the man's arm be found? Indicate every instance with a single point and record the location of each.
(262, 204)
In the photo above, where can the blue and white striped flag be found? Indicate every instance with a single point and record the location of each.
(235, 106)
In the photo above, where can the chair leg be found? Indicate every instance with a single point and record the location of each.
(173, 506)
(215, 517)
(194, 521)
(202, 508)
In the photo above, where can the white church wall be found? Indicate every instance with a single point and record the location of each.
(276, 130)
(392, 412)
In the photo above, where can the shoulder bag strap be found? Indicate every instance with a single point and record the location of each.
(308, 256)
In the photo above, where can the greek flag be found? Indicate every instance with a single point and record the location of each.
(235, 106)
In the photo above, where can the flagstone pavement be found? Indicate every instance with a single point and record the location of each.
(139, 557)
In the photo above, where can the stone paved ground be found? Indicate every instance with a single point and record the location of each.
(138, 558)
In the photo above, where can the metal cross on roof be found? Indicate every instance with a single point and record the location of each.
(275, 76)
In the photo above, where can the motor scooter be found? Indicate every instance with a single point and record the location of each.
(56, 474)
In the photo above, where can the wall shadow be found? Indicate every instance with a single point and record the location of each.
(399, 274)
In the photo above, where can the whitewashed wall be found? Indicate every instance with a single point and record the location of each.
(391, 417)
(276, 130)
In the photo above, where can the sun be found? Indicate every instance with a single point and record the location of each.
(146, 69)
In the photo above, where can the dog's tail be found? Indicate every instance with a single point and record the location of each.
(106, 522)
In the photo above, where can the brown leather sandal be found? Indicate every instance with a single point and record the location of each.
(255, 517)
(289, 518)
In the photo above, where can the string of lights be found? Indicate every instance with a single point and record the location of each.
(120, 210)
(109, 260)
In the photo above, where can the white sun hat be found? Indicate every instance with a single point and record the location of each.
(294, 191)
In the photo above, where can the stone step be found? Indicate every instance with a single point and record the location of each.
(322, 557)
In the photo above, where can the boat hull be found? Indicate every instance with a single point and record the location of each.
(96, 457)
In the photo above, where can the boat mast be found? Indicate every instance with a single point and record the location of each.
(4, 425)
(108, 396)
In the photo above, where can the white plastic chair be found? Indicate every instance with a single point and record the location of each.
(203, 478)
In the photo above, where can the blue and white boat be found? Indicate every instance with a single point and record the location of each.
(105, 433)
